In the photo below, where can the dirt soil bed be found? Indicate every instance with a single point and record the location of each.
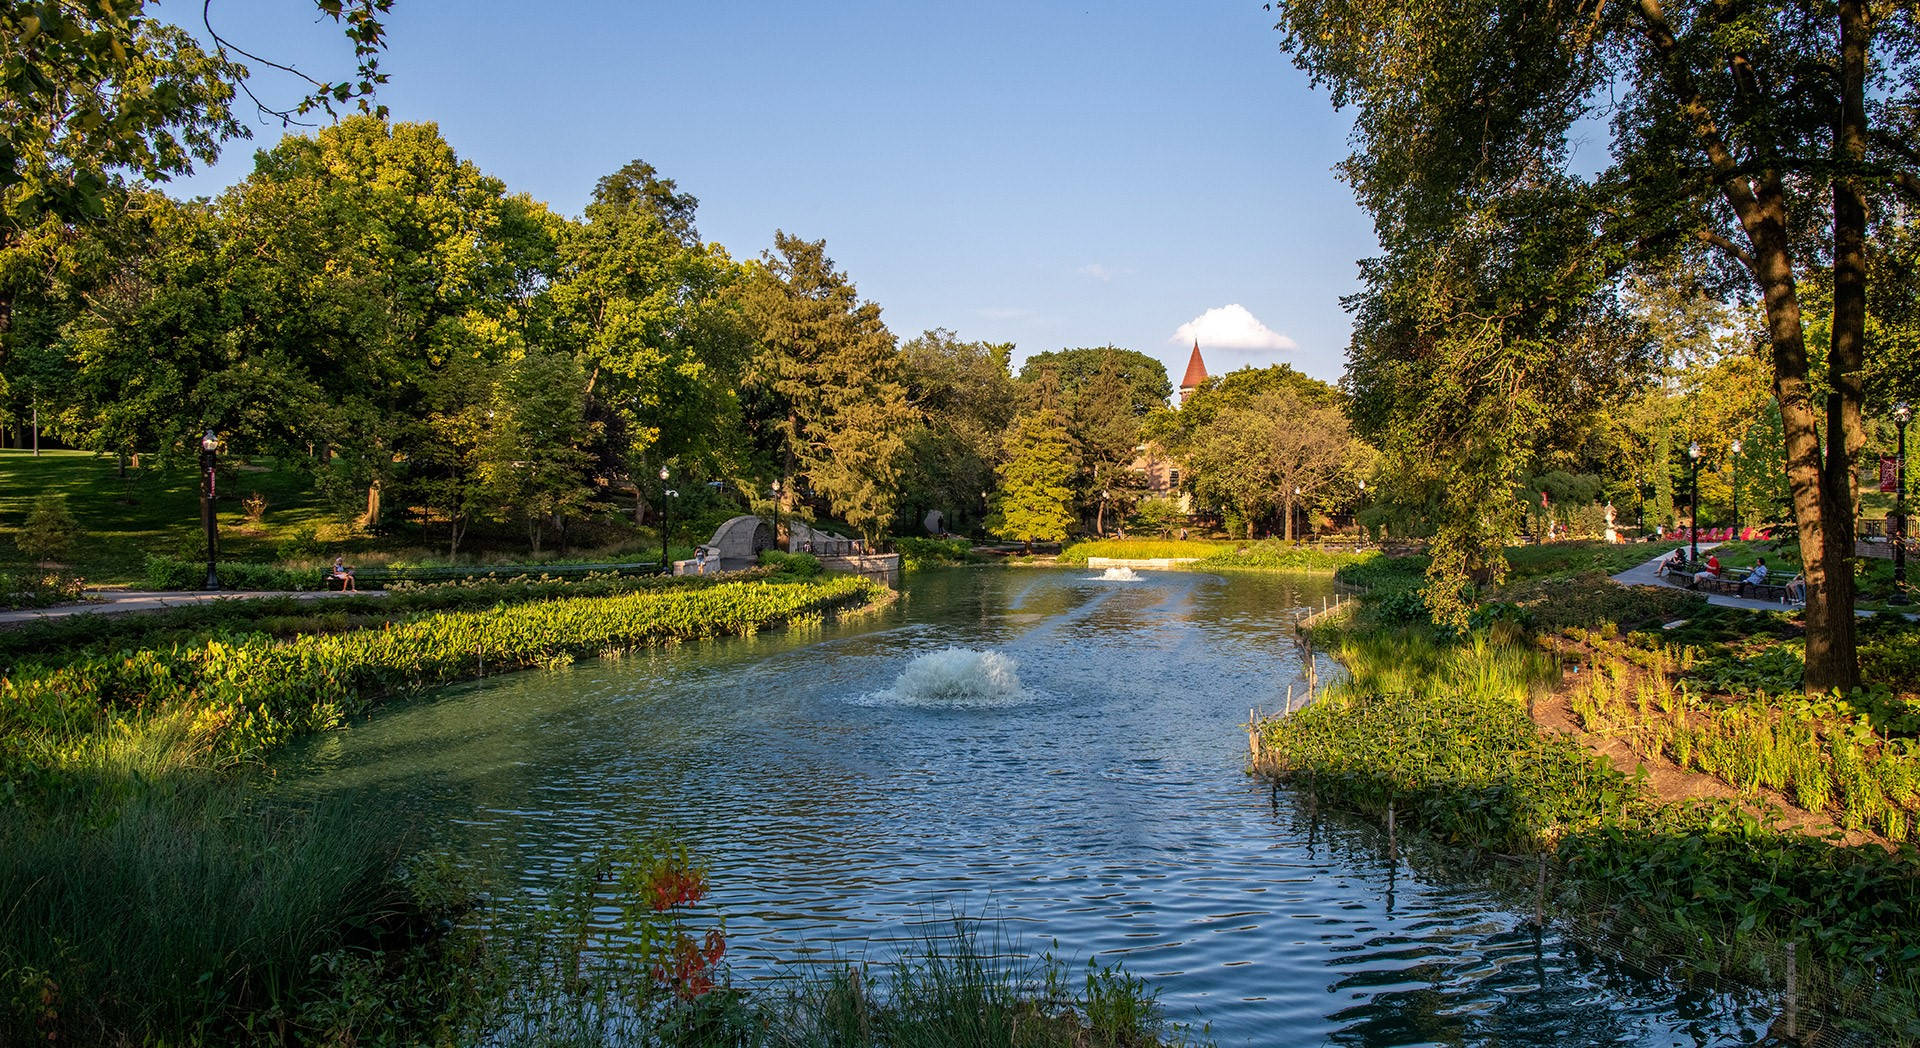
(1672, 784)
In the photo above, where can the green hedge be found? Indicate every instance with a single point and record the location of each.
(167, 573)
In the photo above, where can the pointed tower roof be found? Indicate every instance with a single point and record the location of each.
(1196, 373)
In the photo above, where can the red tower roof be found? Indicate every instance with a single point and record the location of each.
(1196, 369)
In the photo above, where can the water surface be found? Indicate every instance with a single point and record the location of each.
(1099, 802)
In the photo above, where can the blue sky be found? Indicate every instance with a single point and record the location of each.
(1050, 174)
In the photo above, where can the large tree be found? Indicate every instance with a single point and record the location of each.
(827, 381)
(964, 398)
(651, 311)
(1764, 132)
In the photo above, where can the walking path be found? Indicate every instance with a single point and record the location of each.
(120, 602)
(1648, 574)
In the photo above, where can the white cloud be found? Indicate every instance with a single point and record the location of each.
(1097, 272)
(1231, 327)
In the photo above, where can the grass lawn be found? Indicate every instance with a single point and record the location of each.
(149, 511)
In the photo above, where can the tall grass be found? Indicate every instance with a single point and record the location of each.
(1141, 549)
(188, 911)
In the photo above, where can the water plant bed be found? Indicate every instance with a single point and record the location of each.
(1441, 735)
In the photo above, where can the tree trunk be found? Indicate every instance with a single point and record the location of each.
(373, 505)
(1289, 527)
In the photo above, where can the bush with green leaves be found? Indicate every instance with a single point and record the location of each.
(169, 573)
(919, 553)
(50, 532)
(798, 565)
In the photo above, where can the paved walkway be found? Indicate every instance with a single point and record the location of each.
(1648, 574)
(120, 602)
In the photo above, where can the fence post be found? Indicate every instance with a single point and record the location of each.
(1540, 895)
(1792, 1016)
(1253, 738)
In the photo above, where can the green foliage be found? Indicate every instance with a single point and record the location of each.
(1557, 601)
(50, 531)
(1036, 478)
(40, 589)
(1143, 549)
(1441, 734)
(916, 553)
(237, 697)
(1276, 555)
(168, 573)
(799, 565)
(832, 379)
(227, 903)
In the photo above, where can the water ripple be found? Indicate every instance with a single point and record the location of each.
(1106, 811)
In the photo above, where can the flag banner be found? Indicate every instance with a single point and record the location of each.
(1889, 473)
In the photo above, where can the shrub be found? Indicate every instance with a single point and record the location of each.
(40, 589)
(918, 553)
(50, 531)
(799, 565)
(169, 573)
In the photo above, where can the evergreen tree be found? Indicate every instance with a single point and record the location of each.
(1036, 479)
(827, 381)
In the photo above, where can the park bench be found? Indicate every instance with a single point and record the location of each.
(380, 578)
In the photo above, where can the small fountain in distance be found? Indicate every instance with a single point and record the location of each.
(1119, 575)
(954, 678)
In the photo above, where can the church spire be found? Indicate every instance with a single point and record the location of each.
(1196, 373)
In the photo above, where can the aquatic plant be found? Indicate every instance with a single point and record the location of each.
(1439, 734)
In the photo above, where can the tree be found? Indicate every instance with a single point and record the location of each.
(1761, 135)
(1278, 450)
(965, 399)
(1106, 394)
(1036, 478)
(533, 458)
(828, 381)
(652, 313)
(95, 91)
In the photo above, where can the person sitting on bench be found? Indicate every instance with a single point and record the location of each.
(342, 574)
(1674, 564)
(1759, 572)
(1796, 590)
(1711, 571)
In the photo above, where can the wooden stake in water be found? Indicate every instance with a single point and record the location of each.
(1792, 1016)
(1393, 840)
(1540, 895)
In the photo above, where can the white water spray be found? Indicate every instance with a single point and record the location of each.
(1120, 575)
(954, 678)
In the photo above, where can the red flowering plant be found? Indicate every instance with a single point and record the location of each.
(660, 883)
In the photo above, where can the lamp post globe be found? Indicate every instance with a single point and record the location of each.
(1693, 503)
(209, 459)
(1902, 414)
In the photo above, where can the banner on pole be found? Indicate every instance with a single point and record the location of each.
(1889, 473)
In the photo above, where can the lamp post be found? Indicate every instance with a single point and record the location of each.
(1739, 526)
(1902, 414)
(209, 457)
(776, 511)
(1693, 503)
(666, 521)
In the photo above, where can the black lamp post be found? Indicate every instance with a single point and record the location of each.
(1693, 503)
(1739, 526)
(776, 511)
(209, 454)
(666, 520)
(1902, 414)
